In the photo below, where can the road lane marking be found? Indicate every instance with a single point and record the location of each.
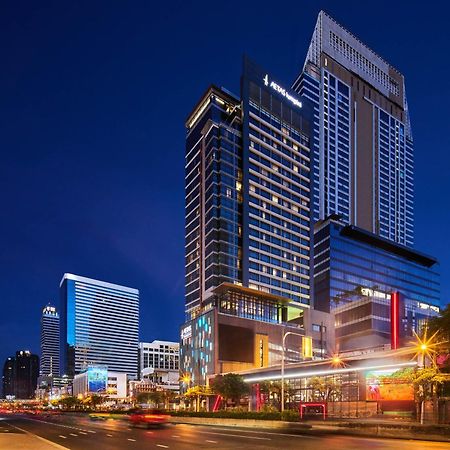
(236, 435)
(61, 436)
(109, 435)
(56, 424)
(90, 431)
(132, 440)
(53, 444)
(162, 445)
(276, 433)
(73, 434)
(211, 442)
(83, 432)
(175, 435)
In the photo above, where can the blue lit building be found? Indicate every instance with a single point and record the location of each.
(99, 326)
(363, 162)
(357, 277)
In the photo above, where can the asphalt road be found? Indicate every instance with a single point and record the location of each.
(81, 433)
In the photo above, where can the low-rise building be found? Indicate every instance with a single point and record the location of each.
(99, 380)
(241, 329)
(158, 365)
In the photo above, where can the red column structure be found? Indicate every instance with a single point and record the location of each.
(395, 320)
(217, 403)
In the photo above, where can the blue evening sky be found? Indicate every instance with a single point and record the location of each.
(93, 97)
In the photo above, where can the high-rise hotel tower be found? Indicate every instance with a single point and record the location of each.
(248, 191)
(363, 147)
(99, 325)
(248, 227)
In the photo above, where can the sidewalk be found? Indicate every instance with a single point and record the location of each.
(12, 437)
(387, 428)
(383, 428)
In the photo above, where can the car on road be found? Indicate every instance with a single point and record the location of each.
(148, 417)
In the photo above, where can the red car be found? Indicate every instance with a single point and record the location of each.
(148, 418)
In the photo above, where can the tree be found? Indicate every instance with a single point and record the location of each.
(230, 386)
(95, 400)
(323, 388)
(155, 398)
(272, 389)
(196, 393)
(69, 402)
(427, 382)
(441, 326)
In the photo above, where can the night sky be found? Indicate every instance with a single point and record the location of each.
(93, 98)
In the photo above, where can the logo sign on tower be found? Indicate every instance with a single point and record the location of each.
(282, 91)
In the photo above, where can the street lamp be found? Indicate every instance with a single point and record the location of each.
(425, 347)
(282, 364)
(186, 379)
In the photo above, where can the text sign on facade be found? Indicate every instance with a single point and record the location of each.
(282, 91)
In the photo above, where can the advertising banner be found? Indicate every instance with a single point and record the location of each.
(97, 379)
(388, 385)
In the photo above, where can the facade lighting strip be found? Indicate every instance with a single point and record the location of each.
(328, 372)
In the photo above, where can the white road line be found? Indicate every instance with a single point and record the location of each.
(56, 424)
(236, 435)
(53, 444)
(73, 434)
(175, 435)
(61, 436)
(109, 435)
(211, 442)
(162, 445)
(132, 440)
(83, 432)
(270, 433)
(90, 431)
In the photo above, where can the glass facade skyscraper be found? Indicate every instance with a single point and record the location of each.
(99, 325)
(248, 220)
(363, 151)
(213, 186)
(277, 185)
(356, 274)
(49, 341)
(248, 191)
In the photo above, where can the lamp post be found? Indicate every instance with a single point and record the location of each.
(423, 349)
(282, 365)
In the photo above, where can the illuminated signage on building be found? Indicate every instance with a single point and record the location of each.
(186, 332)
(282, 91)
(427, 306)
(307, 349)
(97, 379)
(372, 293)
